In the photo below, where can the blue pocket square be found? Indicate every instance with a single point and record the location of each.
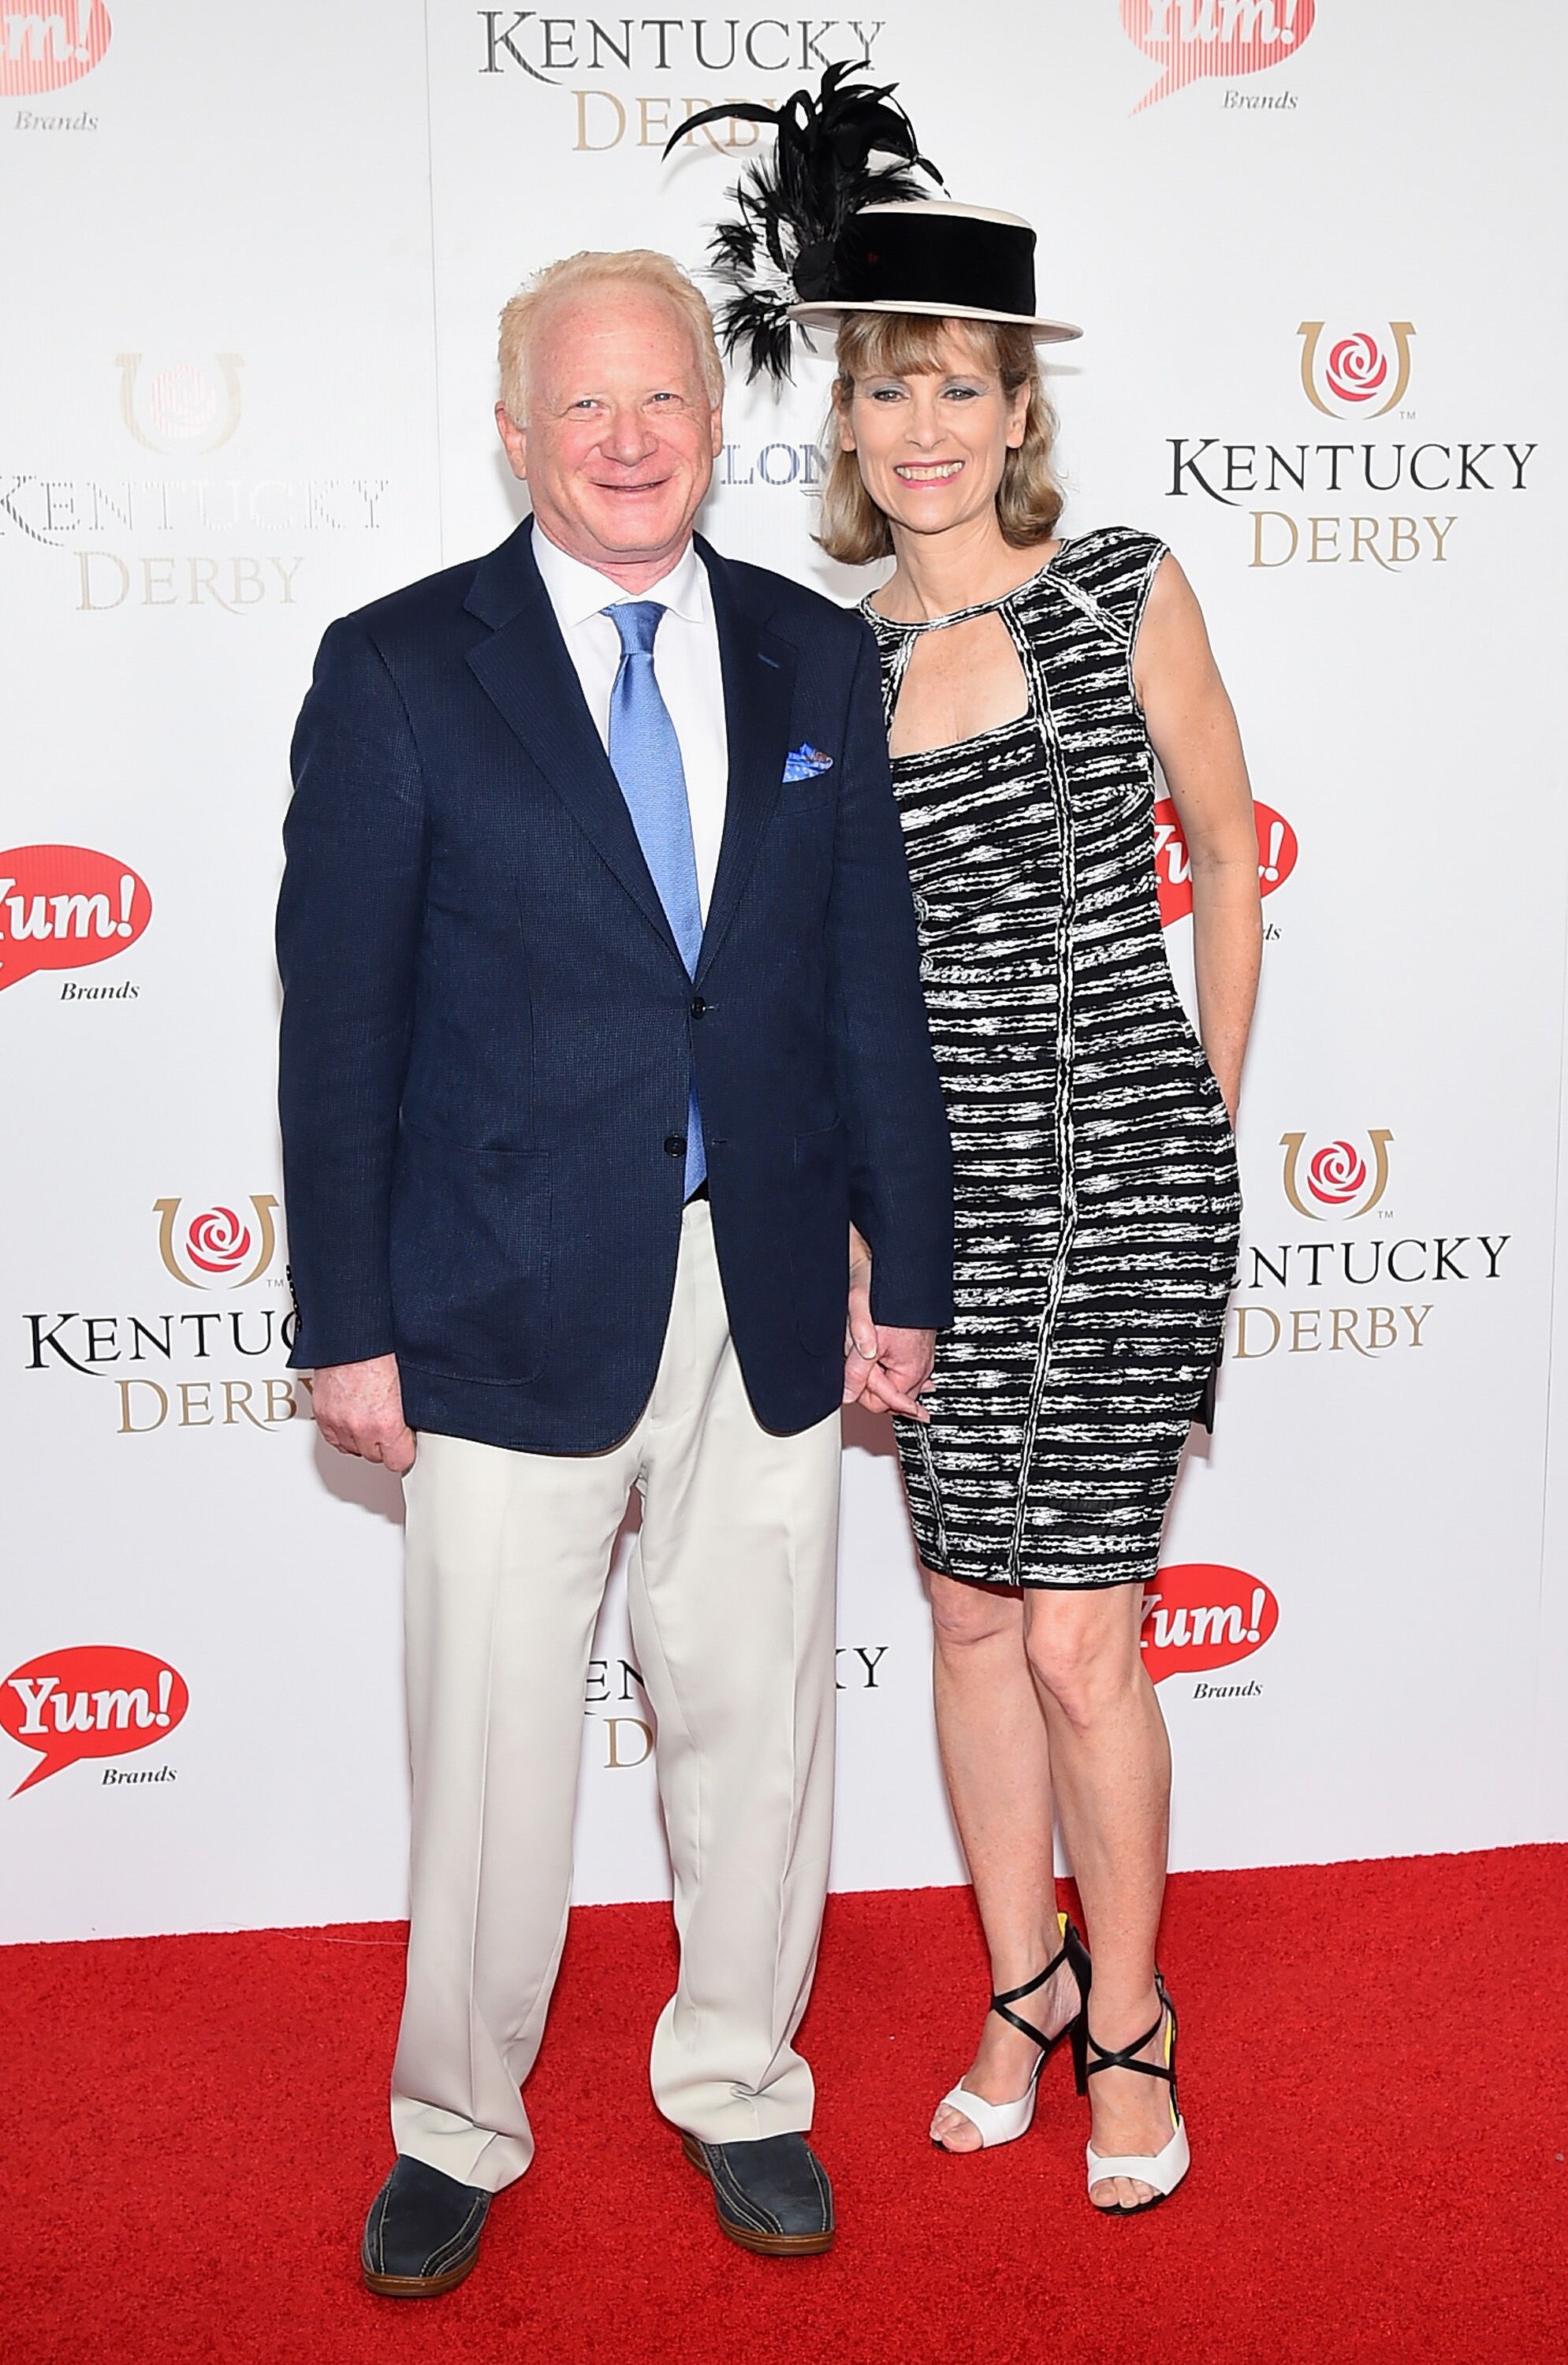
(804, 763)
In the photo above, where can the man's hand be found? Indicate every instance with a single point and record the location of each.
(359, 1409)
(884, 1368)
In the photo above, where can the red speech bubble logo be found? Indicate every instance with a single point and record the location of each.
(1200, 1615)
(1188, 38)
(95, 1700)
(1277, 852)
(66, 907)
(51, 43)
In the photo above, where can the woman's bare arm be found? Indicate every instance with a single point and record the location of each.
(1192, 725)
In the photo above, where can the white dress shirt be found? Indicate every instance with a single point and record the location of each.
(686, 666)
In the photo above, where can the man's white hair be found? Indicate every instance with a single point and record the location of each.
(638, 266)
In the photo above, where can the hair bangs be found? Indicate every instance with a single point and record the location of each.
(908, 344)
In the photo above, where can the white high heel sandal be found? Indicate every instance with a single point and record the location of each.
(1003, 2123)
(1165, 2169)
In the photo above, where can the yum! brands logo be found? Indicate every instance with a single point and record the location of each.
(180, 406)
(1277, 853)
(216, 1248)
(1200, 1615)
(1338, 1177)
(96, 1700)
(45, 48)
(67, 907)
(1356, 375)
(1191, 40)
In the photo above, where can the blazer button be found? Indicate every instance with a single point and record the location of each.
(699, 1007)
(674, 1143)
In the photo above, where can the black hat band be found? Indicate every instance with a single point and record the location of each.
(920, 255)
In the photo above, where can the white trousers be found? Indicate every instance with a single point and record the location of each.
(732, 1608)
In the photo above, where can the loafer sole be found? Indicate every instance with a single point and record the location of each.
(764, 2245)
(419, 2286)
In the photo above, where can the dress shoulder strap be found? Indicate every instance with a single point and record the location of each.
(1112, 570)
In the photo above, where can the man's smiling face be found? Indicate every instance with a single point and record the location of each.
(619, 433)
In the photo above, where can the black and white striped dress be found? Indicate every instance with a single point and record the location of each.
(1098, 1203)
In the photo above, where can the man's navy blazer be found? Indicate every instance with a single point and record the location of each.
(488, 1032)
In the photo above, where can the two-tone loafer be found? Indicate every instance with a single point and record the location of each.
(421, 2236)
(772, 2196)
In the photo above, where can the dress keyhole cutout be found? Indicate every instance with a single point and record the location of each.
(961, 680)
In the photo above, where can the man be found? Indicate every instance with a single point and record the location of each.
(601, 1021)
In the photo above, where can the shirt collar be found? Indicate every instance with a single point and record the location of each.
(578, 591)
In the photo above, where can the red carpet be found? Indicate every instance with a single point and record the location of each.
(1375, 2073)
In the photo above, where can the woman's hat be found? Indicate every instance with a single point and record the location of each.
(820, 230)
(962, 263)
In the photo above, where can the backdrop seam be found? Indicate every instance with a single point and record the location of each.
(435, 308)
(1546, 1453)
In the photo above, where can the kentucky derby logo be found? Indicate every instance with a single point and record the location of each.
(1338, 1176)
(44, 47)
(1358, 375)
(179, 406)
(219, 1246)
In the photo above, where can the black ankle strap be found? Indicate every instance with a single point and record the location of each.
(999, 2003)
(1123, 2057)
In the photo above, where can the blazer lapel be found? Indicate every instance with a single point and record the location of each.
(524, 668)
(758, 674)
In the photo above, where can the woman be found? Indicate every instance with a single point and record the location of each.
(1029, 683)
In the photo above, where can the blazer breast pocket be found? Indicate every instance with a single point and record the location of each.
(816, 795)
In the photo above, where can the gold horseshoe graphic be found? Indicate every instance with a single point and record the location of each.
(264, 1203)
(166, 1210)
(1380, 1138)
(1290, 1144)
(1309, 332)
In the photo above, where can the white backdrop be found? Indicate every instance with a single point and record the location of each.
(250, 330)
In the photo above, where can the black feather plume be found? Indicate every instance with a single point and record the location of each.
(791, 205)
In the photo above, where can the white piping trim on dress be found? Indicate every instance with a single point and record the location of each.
(1065, 1142)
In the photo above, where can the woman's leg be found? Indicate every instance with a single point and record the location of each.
(996, 1757)
(1111, 1764)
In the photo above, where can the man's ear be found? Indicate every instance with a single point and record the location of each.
(515, 438)
(718, 427)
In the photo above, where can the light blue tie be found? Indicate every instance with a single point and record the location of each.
(644, 756)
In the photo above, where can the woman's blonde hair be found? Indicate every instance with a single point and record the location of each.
(908, 344)
(638, 266)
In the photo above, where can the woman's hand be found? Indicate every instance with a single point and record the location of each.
(884, 1368)
(859, 1330)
